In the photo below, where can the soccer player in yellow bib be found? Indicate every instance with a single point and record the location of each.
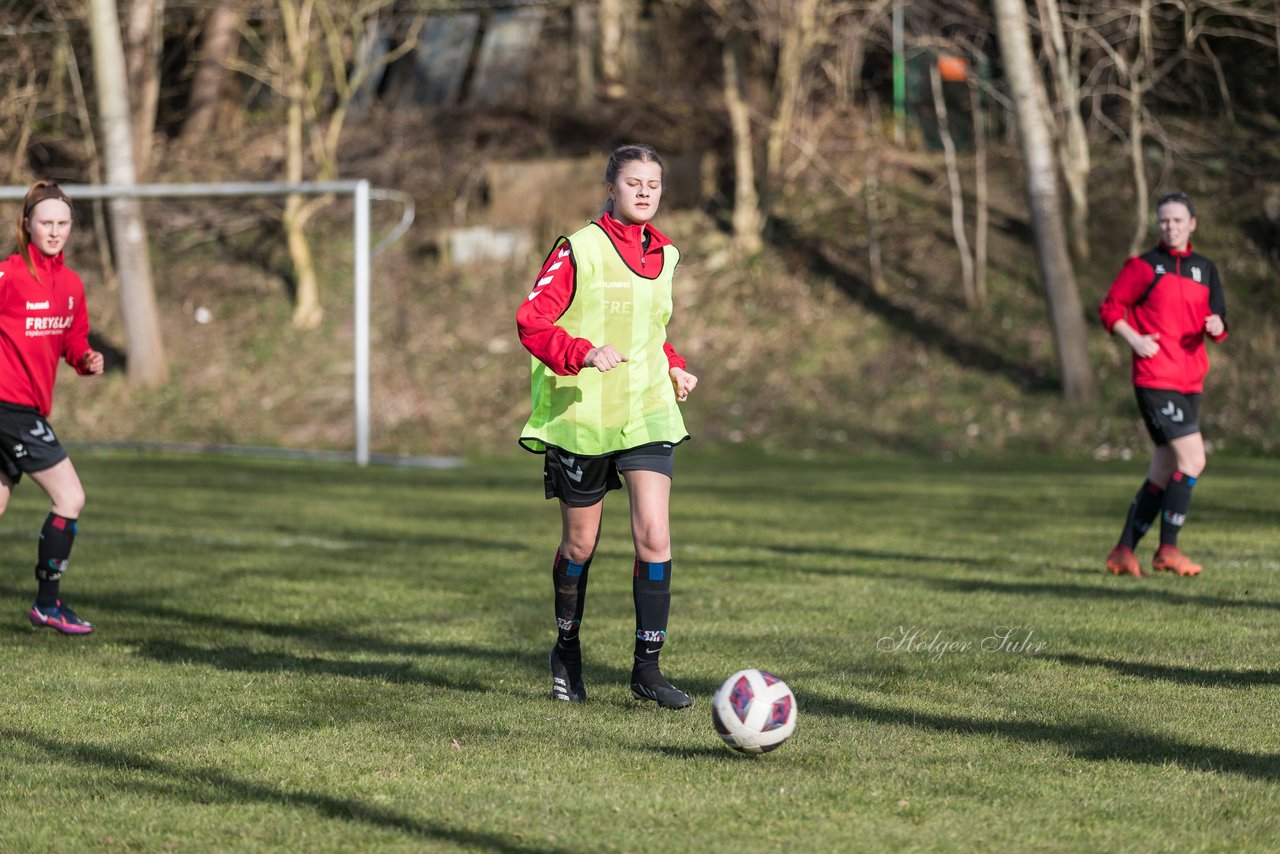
(605, 389)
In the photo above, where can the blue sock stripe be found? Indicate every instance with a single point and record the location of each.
(573, 570)
(657, 571)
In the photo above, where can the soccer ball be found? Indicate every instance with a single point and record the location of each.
(754, 711)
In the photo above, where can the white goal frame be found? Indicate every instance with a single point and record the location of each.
(360, 192)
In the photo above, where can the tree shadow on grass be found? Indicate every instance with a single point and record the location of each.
(207, 785)
(1211, 678)
(1109, 743)
(246, 660)
(160, 643)
(871, 554)
(1120, 591)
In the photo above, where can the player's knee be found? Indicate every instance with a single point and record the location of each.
(652, 540)
(69, 503)
(577, 550)
(1192, 462)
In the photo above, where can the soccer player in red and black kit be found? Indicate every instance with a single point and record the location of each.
(1163, 304)
(42, 320)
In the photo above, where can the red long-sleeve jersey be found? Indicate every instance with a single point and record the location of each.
(556, 285)
(41, 321)
(1186, 290)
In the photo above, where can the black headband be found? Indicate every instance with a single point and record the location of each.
(44, 194)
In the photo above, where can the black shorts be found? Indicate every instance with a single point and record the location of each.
(583, 481)
(27, 442)
(1168, 414)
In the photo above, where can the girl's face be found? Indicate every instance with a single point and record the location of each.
(1176, 224)
(637, 192)
(49, 224)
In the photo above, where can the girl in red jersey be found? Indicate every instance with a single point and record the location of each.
(42, 320)
(605, 388)
(1163, 304)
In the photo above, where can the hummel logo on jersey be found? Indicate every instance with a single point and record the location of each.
(546, 280)
(1173, 413)
(38, 306)
(1195, 274)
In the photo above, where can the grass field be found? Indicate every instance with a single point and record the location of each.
(313, 656)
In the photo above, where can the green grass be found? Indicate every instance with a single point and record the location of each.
(312, 656)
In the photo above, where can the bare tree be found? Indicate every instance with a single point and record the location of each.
(584, 42)
(1065, 310)
(797, 36)
(1063, 53)
(128, 229)
(143, 43)
(317, 64)
(748, 220)
(217, 46)
(611, 29)
(794, 32)
(953, 183)
(981, 228)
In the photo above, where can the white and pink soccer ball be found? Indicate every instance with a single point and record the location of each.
(754, 711)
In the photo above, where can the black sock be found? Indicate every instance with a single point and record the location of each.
(1177, 500)
(56, 538)
(570, 581)
(1142, 512)
(651, 590)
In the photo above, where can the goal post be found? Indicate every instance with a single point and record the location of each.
(360, 192)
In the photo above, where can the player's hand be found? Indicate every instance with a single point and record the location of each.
(684, 382)
(92, 361)
(1146, 346)
(1214, 326)
(604, 358)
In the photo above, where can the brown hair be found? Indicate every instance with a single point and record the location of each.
(1179, 197)
(41, 191)
(624, 154)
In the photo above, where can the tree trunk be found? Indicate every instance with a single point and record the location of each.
(584, 53)
(794, 49)
(218, 43)
(144, 42)
(982, 201)
(748, 224)
(1073, 141)
(128, 228)
(1065, 310)
(871, 193)
(611, 48)
(307, 310)
(957, 192)
(1139, 161)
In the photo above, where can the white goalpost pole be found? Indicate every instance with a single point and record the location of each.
(360, 193)
(362, 322)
